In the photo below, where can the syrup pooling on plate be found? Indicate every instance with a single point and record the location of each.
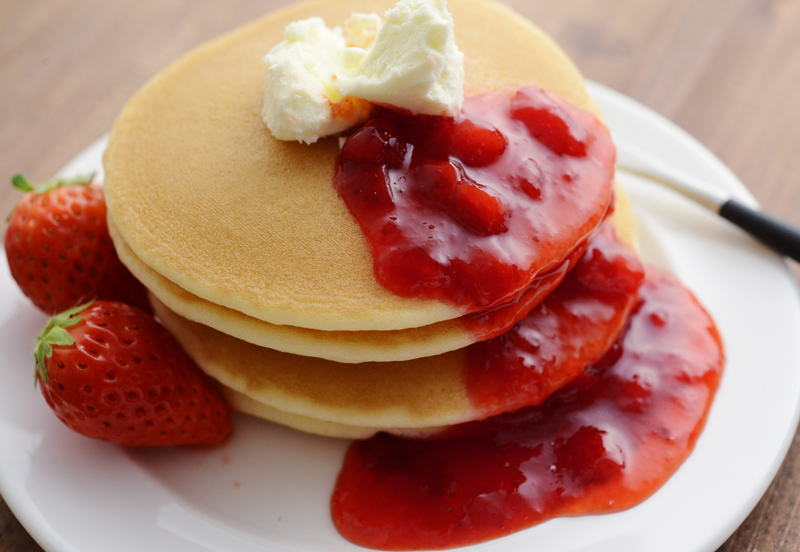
(572, 328)
(603, 443)
(471, 210)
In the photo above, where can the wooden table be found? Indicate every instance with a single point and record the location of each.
(727, 71)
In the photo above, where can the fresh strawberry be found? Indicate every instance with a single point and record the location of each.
(59, 250)
(112, 372)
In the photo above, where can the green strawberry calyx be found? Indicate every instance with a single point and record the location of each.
(54, 333)
(21, 183)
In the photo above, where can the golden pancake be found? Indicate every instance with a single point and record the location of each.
(414, 397)
(242, 403)
(339, 346)
(205, 197)
(414, 393)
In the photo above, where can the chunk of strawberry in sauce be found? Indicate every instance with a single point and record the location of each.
(529, 177)
(608, 273)
(442, 184)
(476, 145)
(367, 186)
(549, 123)
(436, 182)
(376, 142)
(583, 456)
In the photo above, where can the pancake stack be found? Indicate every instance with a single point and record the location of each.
(256, 264)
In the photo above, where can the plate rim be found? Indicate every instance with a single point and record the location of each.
(25, 510)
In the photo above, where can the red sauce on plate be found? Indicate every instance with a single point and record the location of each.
(473, 210)
(603, 443)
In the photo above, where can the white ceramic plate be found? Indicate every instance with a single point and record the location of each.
(268, 488)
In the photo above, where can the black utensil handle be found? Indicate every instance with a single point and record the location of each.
(780, 236)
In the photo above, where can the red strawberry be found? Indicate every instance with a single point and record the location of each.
(112, 372)
(59, 250)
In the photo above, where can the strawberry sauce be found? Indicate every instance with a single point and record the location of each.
(571, 329)
(473, 210)
(603, 443)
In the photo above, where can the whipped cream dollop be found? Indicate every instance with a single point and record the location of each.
(321, 81)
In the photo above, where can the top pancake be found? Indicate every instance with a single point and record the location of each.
(206, 197)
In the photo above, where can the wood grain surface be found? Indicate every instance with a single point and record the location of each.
(727, 71)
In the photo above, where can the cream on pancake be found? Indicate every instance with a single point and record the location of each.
(206, 198)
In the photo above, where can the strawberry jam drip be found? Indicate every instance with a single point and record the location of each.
(472, 210)
(483, 325)
(603, 443)
(572, 328)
